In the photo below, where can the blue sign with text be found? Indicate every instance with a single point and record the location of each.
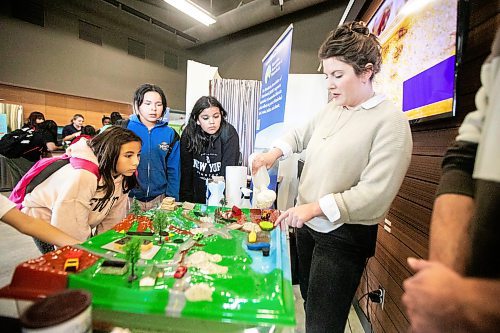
(275, 67)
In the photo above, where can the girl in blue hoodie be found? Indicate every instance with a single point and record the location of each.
(159, 168)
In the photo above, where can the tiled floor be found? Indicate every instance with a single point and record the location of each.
(16, 248)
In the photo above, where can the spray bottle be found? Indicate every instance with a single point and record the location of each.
(245, 201)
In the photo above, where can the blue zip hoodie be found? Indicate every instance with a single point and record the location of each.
(158, 171)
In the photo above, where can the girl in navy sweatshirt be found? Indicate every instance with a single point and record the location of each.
(208, 144)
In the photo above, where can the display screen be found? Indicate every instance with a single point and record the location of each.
(419, 55)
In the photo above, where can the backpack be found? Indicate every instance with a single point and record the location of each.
(42, 170)
(18, 143)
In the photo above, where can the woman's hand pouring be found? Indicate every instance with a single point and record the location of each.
(265, 159)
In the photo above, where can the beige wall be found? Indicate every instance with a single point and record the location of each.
(240, 56)
(56, 60)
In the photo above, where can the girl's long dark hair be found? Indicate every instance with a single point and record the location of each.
(106, 147)
(197, 138)
(33, 117)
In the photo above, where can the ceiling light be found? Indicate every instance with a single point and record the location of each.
(192, 10)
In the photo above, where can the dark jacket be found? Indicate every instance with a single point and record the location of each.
(26, 143)
(68, 130)
(158, 171)
(222, 149)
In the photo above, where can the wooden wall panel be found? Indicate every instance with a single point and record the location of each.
(60, 107)
(391, 316)
(411, 214)
(410, 236)
(76, 103)
(433, 142)
(395, 248)
(95, 106)
(389, 262)
(418, 191)
(392, 312)
(93, 118)
(55, 112)
(427, 168)
(56, 100)
(32, 97)
(30, 106)
(8, 94)
(411, 211)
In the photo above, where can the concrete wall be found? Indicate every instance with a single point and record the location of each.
(53, 58)
(239, 56)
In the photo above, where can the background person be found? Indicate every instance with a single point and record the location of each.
(23, 155)
(458, 289)
(115, 116)
(34, 119)
(106, 122)
(32, 226)
(208, 144)
(159, 170)
(358, 150)
(88, 132)
(75, 200)
(72, 130)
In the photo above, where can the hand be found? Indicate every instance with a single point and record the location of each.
(432, 297)
(77, 134)
(297, 216)
(265, 159)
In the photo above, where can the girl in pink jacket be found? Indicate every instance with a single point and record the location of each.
(75, 200)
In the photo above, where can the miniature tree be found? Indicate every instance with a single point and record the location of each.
(160, 222)
(218, 209)
(135, 207)
(132, 253)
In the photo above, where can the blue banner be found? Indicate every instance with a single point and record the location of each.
(275, 67)
(271, 114)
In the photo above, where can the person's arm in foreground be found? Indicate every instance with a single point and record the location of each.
(449, 238)
(37, 228)
(449, 241)
(437, 299)
(454, 206)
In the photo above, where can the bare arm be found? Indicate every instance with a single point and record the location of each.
(71, 136)
(449, 238)
(37, 228)
(51, 146)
